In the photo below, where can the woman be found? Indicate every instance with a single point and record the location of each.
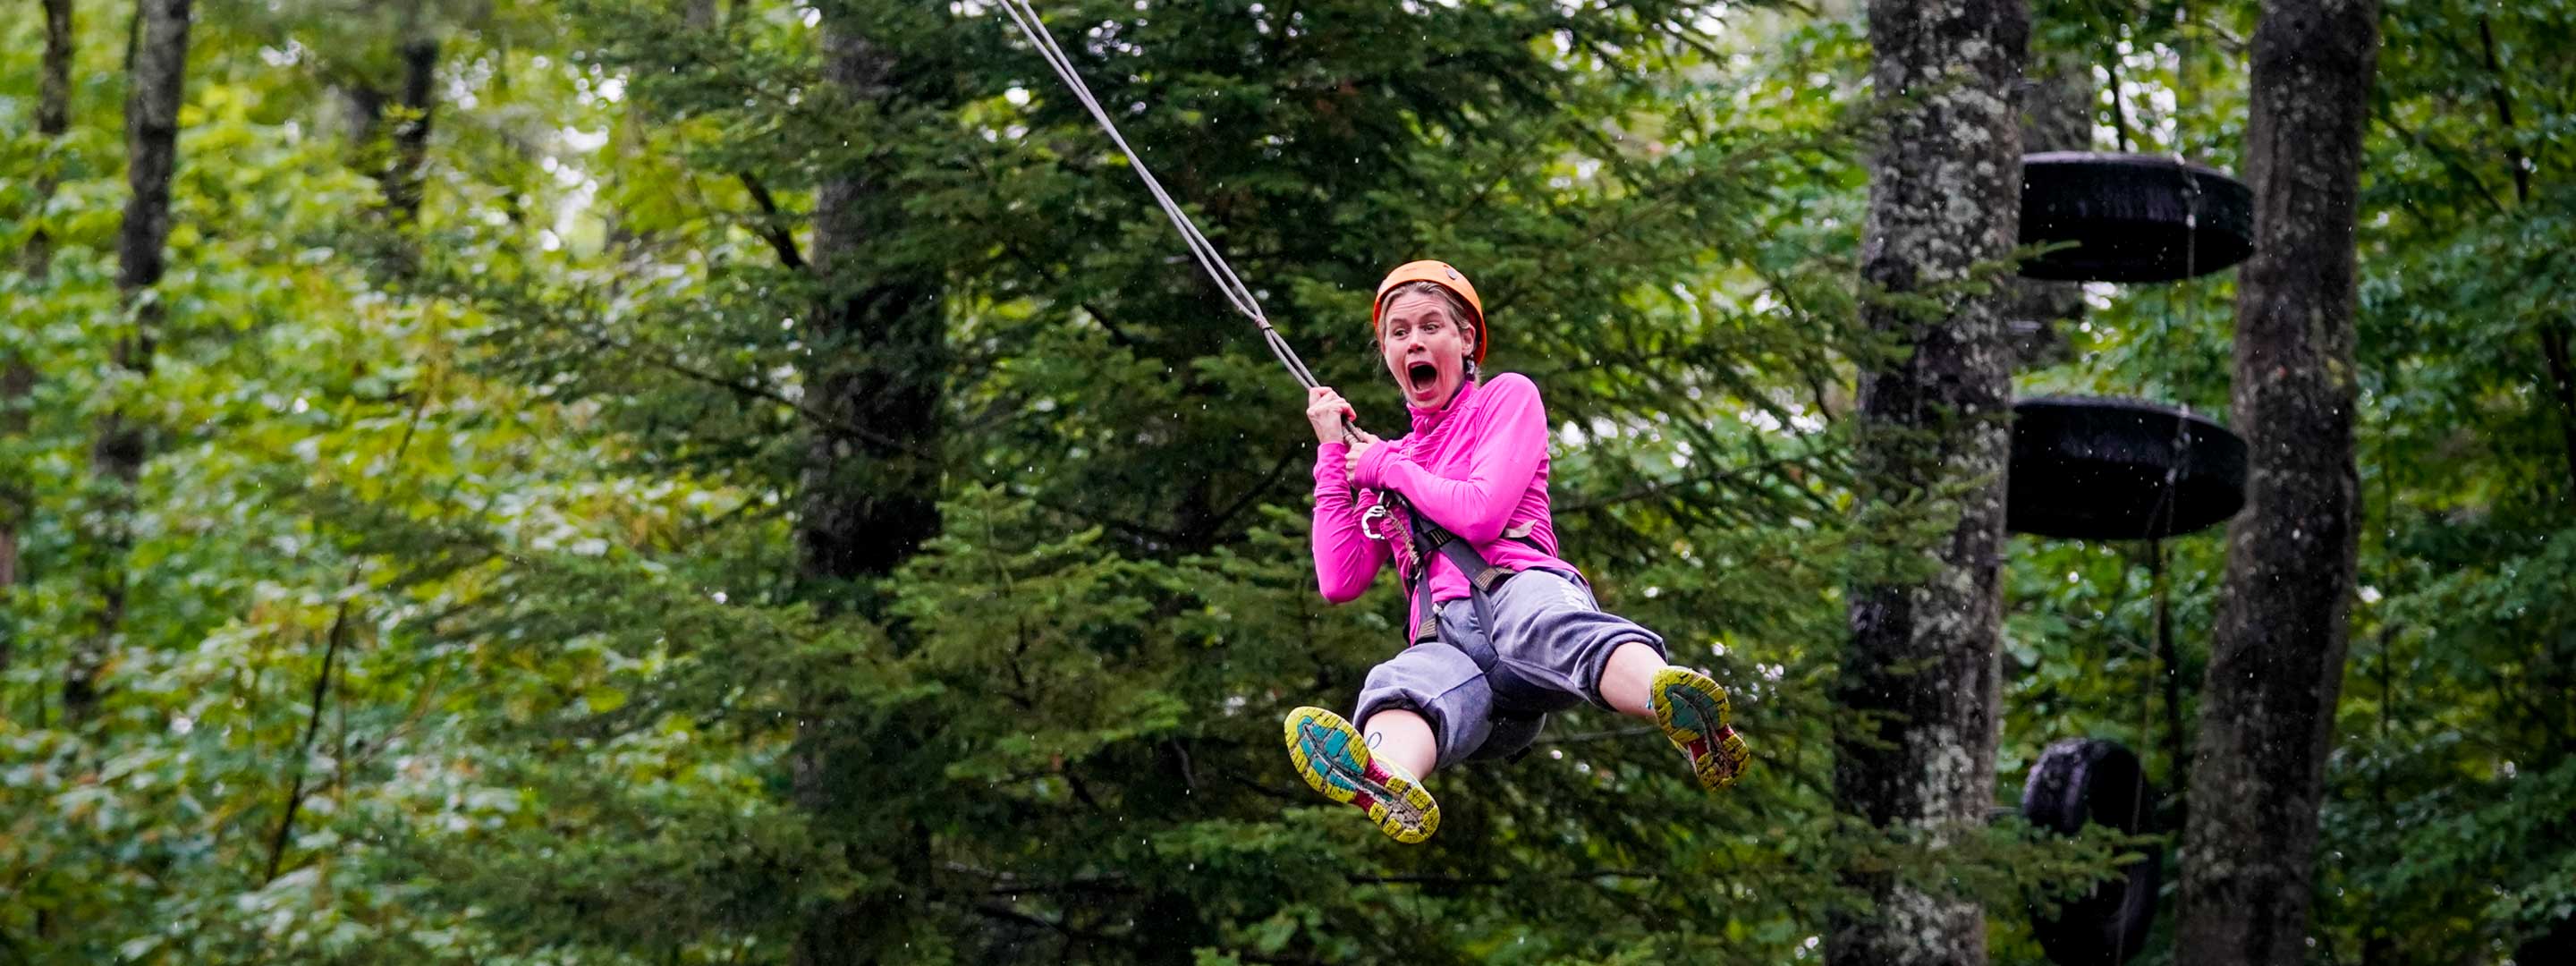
(1479, 677)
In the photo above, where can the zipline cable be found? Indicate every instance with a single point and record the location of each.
(1212, 261)
(1209, 259)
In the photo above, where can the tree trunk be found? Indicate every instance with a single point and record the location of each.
(402, 178)
(2562, 387)
(1921, 673)
(17, 377)
(2057, 115)
(53, 120)
(869, 499)
(160, 60)
(2276, 653)
(397, 160)
(396, 163)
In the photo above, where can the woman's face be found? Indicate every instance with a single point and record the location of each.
(1426, 347)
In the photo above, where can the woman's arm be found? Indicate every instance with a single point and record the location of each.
(1346, 560)
(1509, 442)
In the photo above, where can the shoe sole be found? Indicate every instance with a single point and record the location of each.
(1335, 760)
(1693, 712)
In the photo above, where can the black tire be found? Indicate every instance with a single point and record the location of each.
(2083, 781)
(2096, 468)
(2134, 217)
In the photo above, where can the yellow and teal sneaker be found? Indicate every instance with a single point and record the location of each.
(1692, 710)
(1335, 760)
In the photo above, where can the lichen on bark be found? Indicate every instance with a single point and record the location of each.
(1921, 669)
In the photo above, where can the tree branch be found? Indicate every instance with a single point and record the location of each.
(2504, 113)
(333, 639)
(1266, 791)
(2562, 384)
(1589, 737)
(1657, 488)
(2440, 152)
(304, 751)
(1144, 537)
(760, 392)
(1219, 519)
(770, 227)
(2553, 339)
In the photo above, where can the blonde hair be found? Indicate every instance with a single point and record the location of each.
(1458, 309)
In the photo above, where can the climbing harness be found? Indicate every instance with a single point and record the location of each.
(1520, 707)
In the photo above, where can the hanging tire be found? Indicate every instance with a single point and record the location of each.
(2083, 781)
(2133, 217)
(2098, 468)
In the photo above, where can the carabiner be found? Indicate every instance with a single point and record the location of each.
(1376, 511)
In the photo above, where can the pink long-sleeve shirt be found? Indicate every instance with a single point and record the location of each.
(1477, 467)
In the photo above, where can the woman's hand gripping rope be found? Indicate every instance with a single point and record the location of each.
(1329, 413)
(1332, 418)
(1361, 440)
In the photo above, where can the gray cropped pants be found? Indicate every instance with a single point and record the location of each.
(1488, 695)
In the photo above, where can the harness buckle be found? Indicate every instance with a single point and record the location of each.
(1376, 511)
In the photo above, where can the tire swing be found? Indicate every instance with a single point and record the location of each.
(2095, 781)
(2132, 217)
(2117, 469)
(2092, 468)
(2114, 469)
(2088, 468)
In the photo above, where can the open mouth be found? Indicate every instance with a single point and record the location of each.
(1420, 375)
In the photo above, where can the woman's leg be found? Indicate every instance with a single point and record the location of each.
(1695, 713)
(1628, 678)
(1552, 637)
(1401, 737)
(1377, 765)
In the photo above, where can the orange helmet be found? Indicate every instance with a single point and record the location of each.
(1441, 274)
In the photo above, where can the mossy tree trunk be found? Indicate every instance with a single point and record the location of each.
(1919, 680)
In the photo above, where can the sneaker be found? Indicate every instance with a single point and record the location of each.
(1692, 710)
(1335, 760)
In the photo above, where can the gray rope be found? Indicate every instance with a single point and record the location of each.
(1209, 259)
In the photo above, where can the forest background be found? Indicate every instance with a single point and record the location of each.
(473, 532)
